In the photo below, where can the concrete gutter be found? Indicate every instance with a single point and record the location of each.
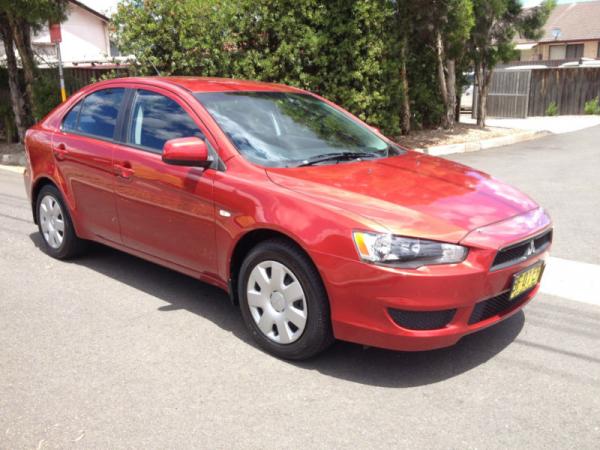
(14, 169)
(474, 146)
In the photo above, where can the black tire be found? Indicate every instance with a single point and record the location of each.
(71, 245)
(317, 334)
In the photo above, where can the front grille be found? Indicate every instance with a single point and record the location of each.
(522, 251)
(422, 320)
(544, 240)
(495, 306)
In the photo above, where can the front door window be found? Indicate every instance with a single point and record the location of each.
(155, 119)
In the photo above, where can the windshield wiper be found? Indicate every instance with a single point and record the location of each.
(341, 156)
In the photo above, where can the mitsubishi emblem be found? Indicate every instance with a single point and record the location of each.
(530, 249)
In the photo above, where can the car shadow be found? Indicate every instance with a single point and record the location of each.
(351, 362)
(385, 368)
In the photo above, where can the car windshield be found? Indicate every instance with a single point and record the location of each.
(282, 129)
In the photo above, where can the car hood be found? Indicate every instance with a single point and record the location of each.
(411, 194)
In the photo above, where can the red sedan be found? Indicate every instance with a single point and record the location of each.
(315, 223)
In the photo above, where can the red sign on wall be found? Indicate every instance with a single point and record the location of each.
(55, 36)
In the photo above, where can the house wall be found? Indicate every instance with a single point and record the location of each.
(590, 48)
(529, 55)
(84, 36)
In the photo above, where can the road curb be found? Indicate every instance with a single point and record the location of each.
(14, 169)
(474, 146)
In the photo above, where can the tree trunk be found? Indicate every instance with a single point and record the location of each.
(483, 76)
(482, 108)
(481, 105)
(439, 47)
(451, 90)
(22, 36)
(405, 118)
(457, 107)
(8, 129)
(446, 72)
(487, 78)
(479, 87)
(16, 98)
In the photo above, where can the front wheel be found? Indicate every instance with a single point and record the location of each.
(283, 301)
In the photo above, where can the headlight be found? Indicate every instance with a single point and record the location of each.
(410, 253)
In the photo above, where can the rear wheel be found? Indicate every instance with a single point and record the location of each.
(283, 301)
(55, 225)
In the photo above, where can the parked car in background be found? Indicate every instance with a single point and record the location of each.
(466, 99)
(527, 67)
(316, 224)
(468, 90)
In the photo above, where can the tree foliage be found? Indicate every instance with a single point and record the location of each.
(181, 37)
(447, 24)
(346, 50)
(18, 20)
(395, 63)
(497, 22)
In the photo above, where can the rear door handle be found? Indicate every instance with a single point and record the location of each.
(123, 170)
(60, 151)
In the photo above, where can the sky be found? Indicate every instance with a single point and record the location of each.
(106, 7)
(109, 6)
(537, 2)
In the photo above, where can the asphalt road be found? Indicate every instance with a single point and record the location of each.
(109, 351)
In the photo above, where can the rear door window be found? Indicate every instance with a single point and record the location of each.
(99, 112)
(155, 119)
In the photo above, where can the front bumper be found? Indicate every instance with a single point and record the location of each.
(465, 297)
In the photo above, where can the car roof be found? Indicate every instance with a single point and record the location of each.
(206, 84)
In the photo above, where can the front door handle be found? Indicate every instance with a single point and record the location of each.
(60, 151)
(123, 170)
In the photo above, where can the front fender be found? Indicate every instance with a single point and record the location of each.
(246, 204)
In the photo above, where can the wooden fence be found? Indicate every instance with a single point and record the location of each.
(75, 79)
(78, 77)
(509, 93)
(523, 93)
(570, 89)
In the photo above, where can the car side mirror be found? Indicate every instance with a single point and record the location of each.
(188, 151)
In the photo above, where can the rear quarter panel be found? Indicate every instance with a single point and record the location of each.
(40, 162)
(38, 148)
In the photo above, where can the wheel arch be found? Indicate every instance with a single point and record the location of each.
(245, 244)
(35, 191)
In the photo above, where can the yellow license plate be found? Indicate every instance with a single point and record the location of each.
(525, 280)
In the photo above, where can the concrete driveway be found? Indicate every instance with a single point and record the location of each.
(109, 351)
(552, 124)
